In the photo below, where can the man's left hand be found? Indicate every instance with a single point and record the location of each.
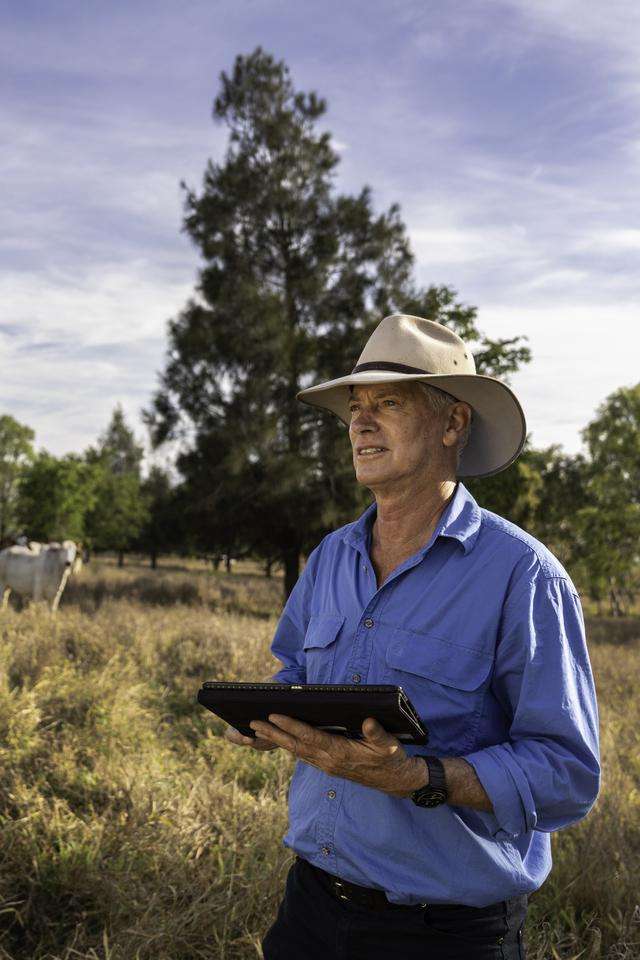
(379, 761)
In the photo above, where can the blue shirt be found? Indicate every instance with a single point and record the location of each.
(483, 629)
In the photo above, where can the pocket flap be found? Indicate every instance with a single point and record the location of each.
(322, 630)
(437, 659)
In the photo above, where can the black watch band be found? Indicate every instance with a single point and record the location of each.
(435, 791)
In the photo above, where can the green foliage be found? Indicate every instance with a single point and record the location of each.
(295, 279)
(607, 522)
(163, 529)
(613, 441)
(16, 452)
(117, 448)
(120, 509)
(55, 495)
(515, 493)
(119, 512)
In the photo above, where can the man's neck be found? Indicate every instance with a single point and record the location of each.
(408, 518)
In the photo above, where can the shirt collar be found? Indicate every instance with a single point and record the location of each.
(461, 521)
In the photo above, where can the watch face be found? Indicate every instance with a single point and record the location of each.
(432, 798)
(436, 798)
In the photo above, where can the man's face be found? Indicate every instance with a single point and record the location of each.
(395, 436)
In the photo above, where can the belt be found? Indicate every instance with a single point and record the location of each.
(369, 897)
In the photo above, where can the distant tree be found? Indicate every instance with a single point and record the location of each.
(609, 524)
(117, 447)
(16, 453)
(55, 495)
(515, 493)
(119, 511)
(163, 528)
(295, 279)
(564, 491)
(608, 560)
(118, 515)
(613, 442)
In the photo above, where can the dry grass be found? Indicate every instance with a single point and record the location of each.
(131, 831)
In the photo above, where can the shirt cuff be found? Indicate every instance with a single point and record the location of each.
(508, 789)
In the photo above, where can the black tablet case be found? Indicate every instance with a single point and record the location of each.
(335, 708)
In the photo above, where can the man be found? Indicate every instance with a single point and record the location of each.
(414, 851)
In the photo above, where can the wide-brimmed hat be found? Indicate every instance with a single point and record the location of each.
(404, 348)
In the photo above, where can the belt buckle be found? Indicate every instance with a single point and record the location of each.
(339, 887)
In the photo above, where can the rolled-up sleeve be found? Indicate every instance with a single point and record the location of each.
(546, 774)
(287, 645)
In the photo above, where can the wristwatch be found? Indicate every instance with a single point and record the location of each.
(435, 791)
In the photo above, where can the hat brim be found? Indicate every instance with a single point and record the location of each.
(499, 429)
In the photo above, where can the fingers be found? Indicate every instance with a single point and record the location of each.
(300, 731)
(237, 739)
(294, 735)
(275, 734)
(234, 736)
(375, 734)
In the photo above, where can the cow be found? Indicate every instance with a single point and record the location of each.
(75, 550)
(39, 576)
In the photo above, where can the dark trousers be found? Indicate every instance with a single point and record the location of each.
(312, 924)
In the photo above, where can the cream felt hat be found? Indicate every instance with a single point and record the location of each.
(403, 348)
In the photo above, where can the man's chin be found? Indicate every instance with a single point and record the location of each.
(368, 476)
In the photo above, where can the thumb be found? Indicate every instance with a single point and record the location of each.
(375, 733)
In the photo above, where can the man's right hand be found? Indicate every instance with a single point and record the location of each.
(259, 743)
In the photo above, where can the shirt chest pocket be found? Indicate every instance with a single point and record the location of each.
(320, 646)
(446, 684)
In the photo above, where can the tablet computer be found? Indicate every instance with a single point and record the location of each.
(336, 708)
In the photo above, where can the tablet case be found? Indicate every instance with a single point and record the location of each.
(336, 708)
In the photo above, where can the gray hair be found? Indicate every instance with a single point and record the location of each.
(437, 401)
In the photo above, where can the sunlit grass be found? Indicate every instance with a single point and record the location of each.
(130, 829)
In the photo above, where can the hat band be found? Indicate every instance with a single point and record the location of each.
(387, 365)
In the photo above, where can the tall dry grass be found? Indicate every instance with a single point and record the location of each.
(129, 829)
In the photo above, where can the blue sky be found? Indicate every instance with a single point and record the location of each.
(508, 131)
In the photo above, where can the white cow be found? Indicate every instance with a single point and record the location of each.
(36, 547)
(40, 576)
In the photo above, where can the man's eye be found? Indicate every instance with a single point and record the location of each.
(393, 402)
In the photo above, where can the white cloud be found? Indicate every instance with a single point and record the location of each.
(581, 354)
(611, 240)
(615, 24)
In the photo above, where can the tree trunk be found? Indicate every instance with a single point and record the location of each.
(614, 601)
(121, 558)
(154, 559)
(227, 563)
(291, 561)
(267, 568)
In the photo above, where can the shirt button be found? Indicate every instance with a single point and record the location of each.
(356, 677)
(325, 851)
(368, 622)
(331, 794)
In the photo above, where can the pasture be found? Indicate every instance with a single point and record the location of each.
(130, 830)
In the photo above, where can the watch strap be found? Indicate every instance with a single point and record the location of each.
(435, 792)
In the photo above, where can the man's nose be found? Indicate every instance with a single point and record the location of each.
(362, 420)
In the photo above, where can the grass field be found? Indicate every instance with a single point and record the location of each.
(130, 830)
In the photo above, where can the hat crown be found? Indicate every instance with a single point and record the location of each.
(418, 343)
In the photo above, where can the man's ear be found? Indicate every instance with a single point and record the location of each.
(457, 417)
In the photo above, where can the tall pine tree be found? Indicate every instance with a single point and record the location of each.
(120, 509)
(295, 278)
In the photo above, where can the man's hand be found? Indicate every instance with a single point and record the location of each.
(378, 761)
(234, 736)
